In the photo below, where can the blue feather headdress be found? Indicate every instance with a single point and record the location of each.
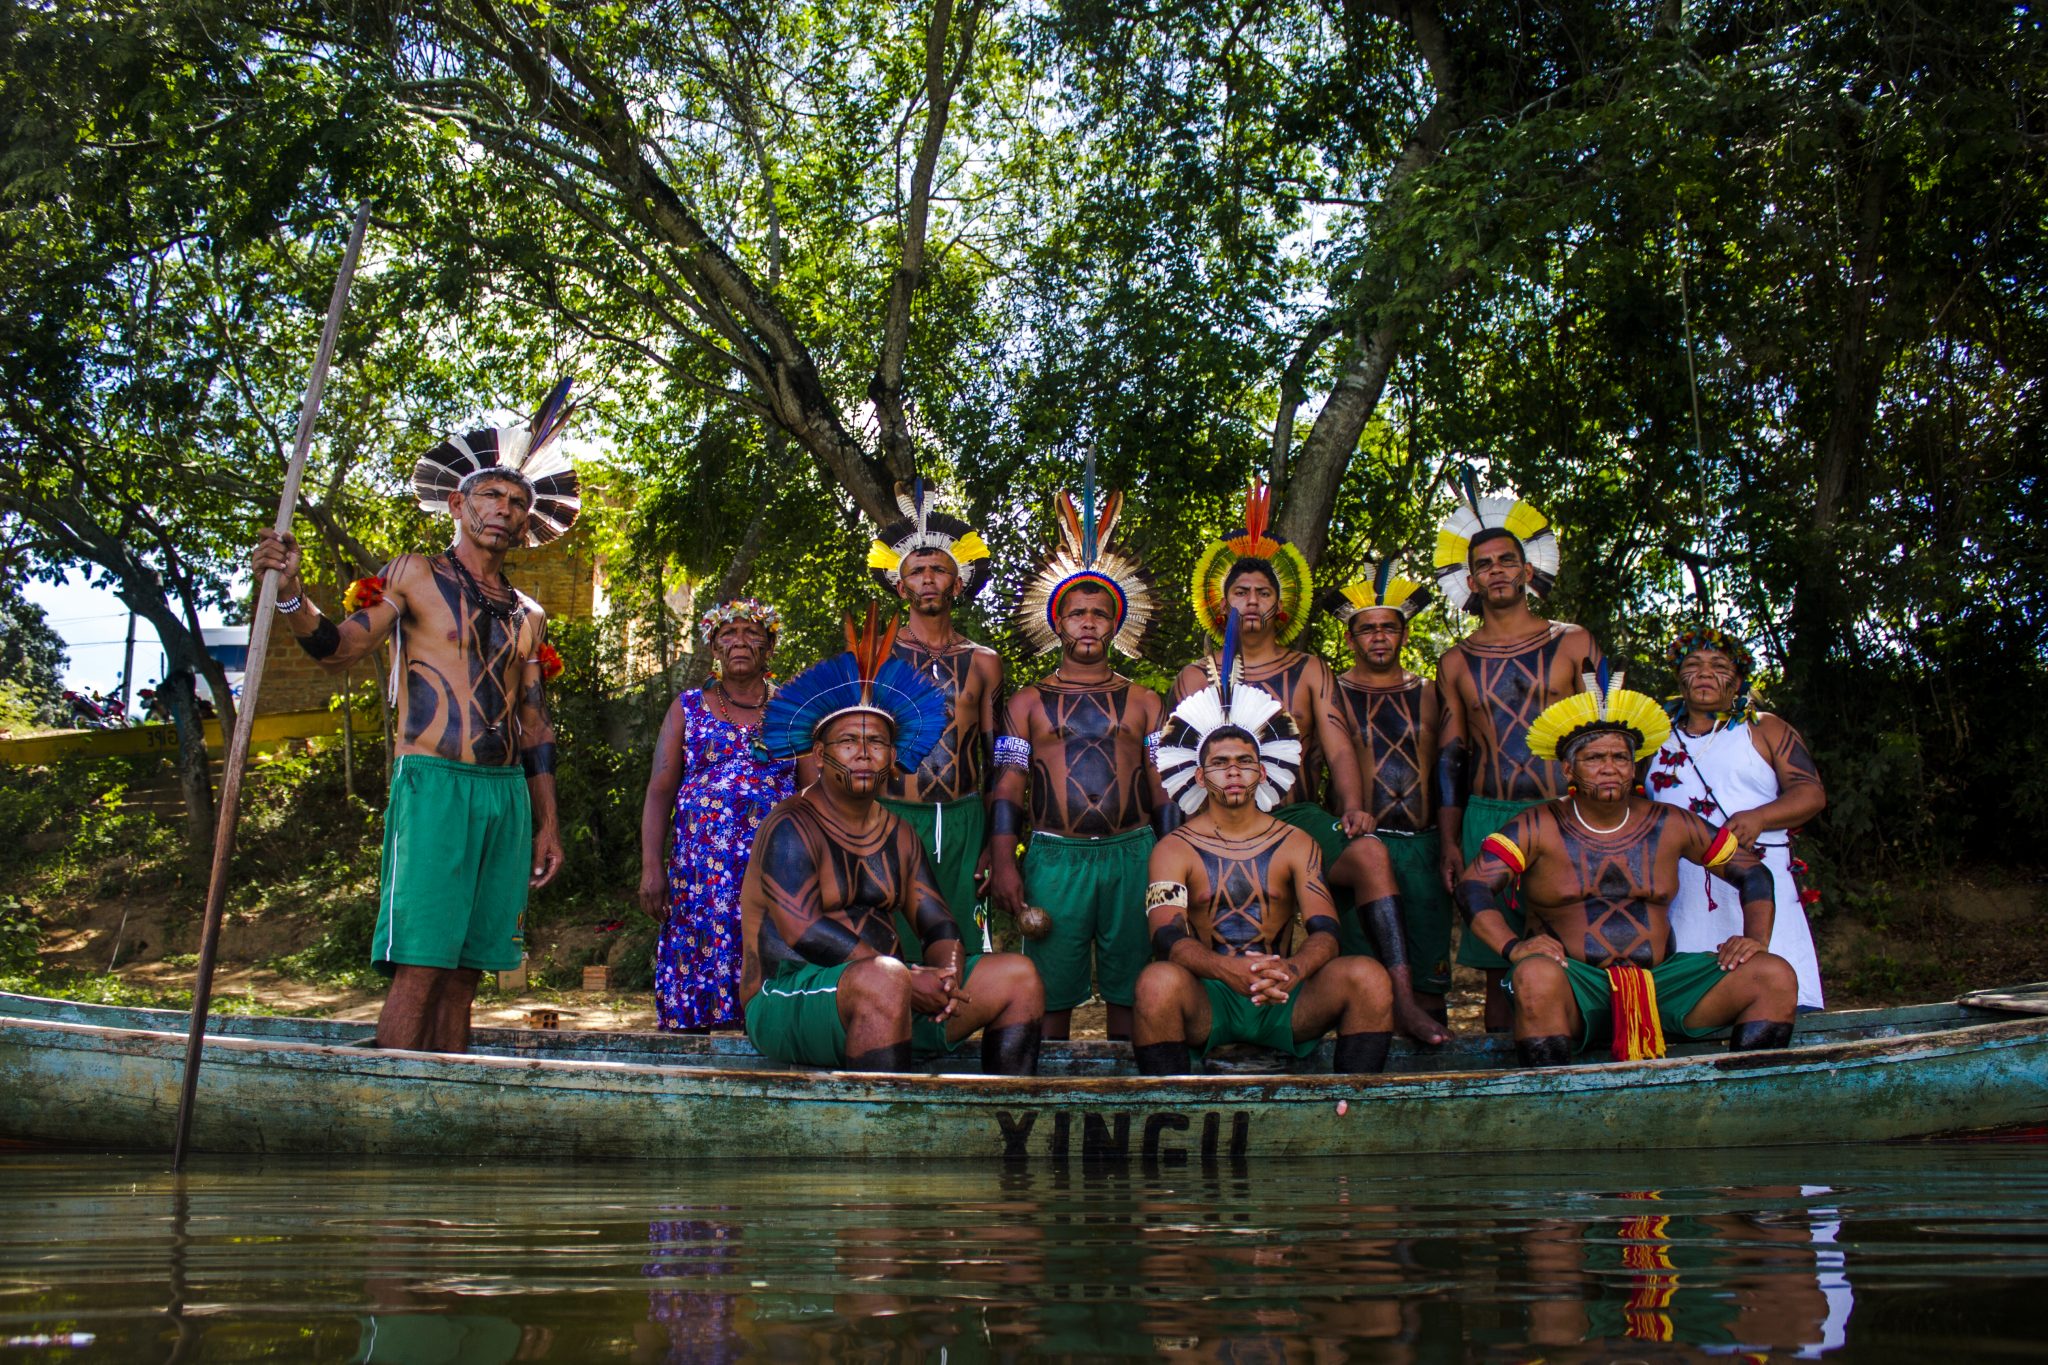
(865, 678)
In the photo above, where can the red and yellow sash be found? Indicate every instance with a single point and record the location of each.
(1638, 1032)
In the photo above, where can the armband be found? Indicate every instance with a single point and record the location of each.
(322, 643)
(827, 943)
(1160, 895)
(1164, 937)
(1720, 850)
(1322, 924)
(944, 930)
(1012, 752)
(539, 760)
(1507, 850)
(1152, 750)
(1006, 819)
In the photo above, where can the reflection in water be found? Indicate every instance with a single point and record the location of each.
(699, 1320)
(1563, 1259)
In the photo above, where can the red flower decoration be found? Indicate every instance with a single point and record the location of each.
(1809, 895)
(363, 593)
(1663, 781)
(550, 663)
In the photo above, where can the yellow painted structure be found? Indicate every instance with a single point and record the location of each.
(271, 731)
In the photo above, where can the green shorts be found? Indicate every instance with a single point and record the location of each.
(458, 850)
(1425, 912)
(795, 1017)
(1682, 980)
(1233, 1018)
(1094, 892)
(1484, 816)
(952, 864)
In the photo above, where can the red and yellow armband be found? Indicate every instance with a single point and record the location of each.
(1719, 851)
(1507, 850)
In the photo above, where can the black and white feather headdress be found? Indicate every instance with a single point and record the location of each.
(527, 451)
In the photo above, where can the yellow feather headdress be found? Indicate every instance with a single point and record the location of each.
(924, 527)
(1381, 587)
(1475, 515)
(1604, 707)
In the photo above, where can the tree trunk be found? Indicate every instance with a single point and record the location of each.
(1312, 484)
(1819, 605)
(195, 778)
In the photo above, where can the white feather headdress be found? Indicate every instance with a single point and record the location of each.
(1229, 703)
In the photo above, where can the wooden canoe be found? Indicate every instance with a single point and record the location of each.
(101, 1077)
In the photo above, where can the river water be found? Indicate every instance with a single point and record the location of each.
(1849, 1252)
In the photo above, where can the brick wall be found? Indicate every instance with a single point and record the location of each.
(558, 576)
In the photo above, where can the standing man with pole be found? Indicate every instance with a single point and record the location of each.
(259, 643)
(464, 836)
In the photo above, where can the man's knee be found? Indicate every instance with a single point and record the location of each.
(1010, 977)
(1162, 987)
(1773, 980)
(1539, 982)
(1363, 979)
(878, 985)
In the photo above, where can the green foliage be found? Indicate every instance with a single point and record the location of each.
(606, 737)
(32, 660)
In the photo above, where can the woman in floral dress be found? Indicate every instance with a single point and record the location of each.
(707, 796)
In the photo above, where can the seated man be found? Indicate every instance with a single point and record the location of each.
(1598, 868)
(1226, 887)
(823, 982)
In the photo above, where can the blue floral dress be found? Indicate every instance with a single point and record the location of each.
(725, 795)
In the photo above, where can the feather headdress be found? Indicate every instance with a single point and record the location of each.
(1605, 707)
(527, 451)
(1255, 540)
(1228, 704)
(1473, 516)
(1381, 587)
(1715, 638)
(867, 678)
(924, 527)
(1083, 555)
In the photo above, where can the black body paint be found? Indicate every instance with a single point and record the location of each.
(1164, 1059)
(539, 759)
(1452, 783)
(1011, 1051)
(1759, 1034)
(1361, 1054)
(1390, 721)
(1382, 920)
(1555, 1050)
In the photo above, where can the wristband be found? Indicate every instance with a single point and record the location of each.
(1510, 946)
(291, 604)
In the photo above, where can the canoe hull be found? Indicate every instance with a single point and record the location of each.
(81, 1085)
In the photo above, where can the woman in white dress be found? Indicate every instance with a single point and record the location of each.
(1750, 772)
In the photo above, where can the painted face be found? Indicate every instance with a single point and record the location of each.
(493, 514)
(1256, 602)
(929, 581)
(1230, 771)
(1497, 571)
(1376, 635)
(1087, 622)
(742, 648)
(856, 755)
(1708, 680)
(1604, 767)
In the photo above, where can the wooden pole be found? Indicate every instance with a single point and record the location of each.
(252, 680)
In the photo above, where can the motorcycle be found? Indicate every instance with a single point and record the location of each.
(96, 711)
